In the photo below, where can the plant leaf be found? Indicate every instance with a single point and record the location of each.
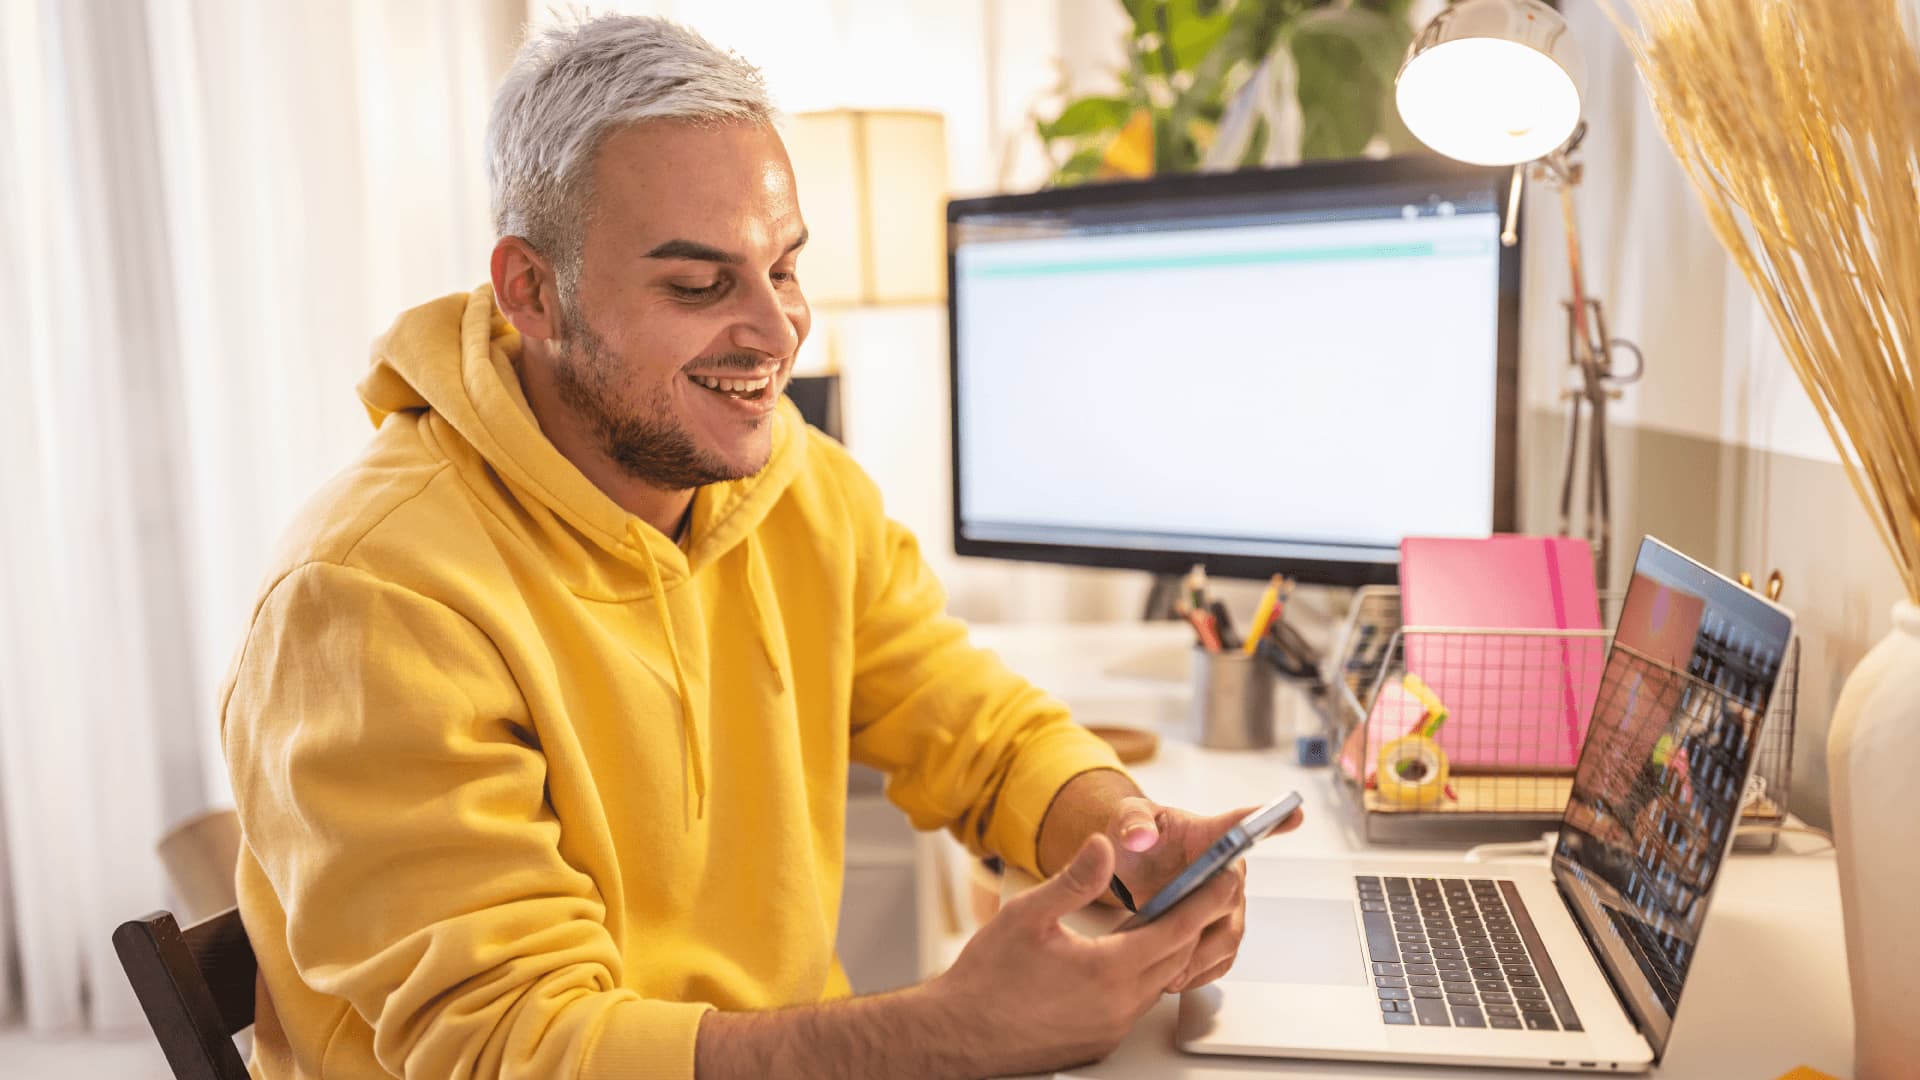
(1141, 11)
(1194, 34)
(1346, 59)
(1087, 116)
(1079, 168)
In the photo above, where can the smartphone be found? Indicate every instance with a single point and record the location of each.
(1232, 844)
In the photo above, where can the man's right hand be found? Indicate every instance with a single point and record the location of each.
(1038, 996)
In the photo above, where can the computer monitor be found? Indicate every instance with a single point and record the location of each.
(1265, 371)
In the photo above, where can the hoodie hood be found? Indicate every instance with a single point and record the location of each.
(454, 358)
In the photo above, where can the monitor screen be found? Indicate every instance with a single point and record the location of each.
(1658, 790)
(1285, 370)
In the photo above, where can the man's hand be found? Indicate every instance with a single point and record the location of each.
(1155, 843)
(1046, 997)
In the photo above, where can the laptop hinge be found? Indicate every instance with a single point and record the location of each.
(1599, 958)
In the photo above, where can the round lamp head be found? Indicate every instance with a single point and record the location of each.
(1492, 82)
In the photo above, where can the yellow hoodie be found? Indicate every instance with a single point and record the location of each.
(526, 788)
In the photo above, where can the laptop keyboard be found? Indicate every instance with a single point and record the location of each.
(1459, 952)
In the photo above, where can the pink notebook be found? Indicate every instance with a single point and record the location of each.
(1518, 704)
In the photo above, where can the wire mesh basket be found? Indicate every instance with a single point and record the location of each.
(1517, 705)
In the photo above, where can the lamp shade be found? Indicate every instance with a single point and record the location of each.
(872, 186)
(1492, 82)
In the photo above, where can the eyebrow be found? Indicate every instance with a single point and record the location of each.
(692, 249)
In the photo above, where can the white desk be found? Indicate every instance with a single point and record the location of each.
(1768, 990)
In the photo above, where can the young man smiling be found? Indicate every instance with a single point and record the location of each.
(540, 732)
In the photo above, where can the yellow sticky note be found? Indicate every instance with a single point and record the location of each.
(1806, 1072)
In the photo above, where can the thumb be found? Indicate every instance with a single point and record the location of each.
(1134, 825)
(1077, 884)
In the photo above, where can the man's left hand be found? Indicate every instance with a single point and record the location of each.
(1153, 844)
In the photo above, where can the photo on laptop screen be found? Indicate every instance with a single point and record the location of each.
(1659, 785)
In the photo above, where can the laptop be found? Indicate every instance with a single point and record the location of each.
(1578, 964)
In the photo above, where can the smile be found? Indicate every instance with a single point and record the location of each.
(745, 387)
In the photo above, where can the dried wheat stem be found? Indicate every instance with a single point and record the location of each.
(1798, 123)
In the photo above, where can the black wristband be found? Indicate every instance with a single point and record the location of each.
(1120, 892)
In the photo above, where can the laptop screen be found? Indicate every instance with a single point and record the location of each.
(1658, 790)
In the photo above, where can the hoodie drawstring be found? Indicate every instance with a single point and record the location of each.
(696, 753)
(759, 577)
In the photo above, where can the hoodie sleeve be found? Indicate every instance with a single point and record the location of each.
(966, 743)
(391, 789)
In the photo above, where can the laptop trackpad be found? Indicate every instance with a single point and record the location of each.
(1293, 940)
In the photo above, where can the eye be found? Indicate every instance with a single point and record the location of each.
(697, 292)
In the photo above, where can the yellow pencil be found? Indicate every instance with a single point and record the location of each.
(1262, 615)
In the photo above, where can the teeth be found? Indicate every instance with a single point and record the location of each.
(732, 385)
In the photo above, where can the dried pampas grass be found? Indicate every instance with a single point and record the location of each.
(1798, 122)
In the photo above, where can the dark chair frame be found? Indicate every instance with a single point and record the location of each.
(196, 986)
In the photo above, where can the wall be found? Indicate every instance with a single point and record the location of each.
(1717, 449)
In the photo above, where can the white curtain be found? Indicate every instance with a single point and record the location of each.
(208, 209)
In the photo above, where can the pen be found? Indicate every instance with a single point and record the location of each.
(1223, 625)
(1204, 630)
(1285, 636)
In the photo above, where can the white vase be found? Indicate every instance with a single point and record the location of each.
(1873, 757)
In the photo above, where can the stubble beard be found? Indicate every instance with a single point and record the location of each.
(645, 443)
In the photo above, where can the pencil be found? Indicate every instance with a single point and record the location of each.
(1262, 615)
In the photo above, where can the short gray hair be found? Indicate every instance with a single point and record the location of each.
(573, 85)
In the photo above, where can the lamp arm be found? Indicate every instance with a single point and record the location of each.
(1569, 178)
(1591, 356)
(1509, 233)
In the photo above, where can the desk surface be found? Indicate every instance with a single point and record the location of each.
(1768, 990)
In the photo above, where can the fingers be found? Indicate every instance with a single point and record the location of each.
(1135, 825)
(1155, 979)
(1180, 928)
(1219, 944)
(1204, 977)
(1078, 884)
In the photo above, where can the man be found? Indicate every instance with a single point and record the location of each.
(540, 732)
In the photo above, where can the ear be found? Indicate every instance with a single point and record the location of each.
(525, 287)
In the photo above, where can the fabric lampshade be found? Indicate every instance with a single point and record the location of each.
(873, 185)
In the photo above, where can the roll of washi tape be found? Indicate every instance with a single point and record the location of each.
(1413, 771)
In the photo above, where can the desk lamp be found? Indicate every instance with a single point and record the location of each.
(1497, 82)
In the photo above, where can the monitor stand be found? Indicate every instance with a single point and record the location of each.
(1160, 598)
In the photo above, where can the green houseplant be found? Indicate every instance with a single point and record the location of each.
(1220, 84)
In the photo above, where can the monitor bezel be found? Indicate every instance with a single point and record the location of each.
(1415, 168)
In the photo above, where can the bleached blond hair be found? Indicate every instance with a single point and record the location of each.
(571, 86)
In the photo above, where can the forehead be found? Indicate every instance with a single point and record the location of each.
(727, 185)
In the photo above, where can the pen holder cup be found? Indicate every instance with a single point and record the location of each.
(1232, 701)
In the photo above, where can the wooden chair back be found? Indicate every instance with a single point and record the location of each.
(196, 986)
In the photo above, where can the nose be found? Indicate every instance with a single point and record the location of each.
(771, 323)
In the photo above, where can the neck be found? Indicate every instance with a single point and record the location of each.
(661, 508)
